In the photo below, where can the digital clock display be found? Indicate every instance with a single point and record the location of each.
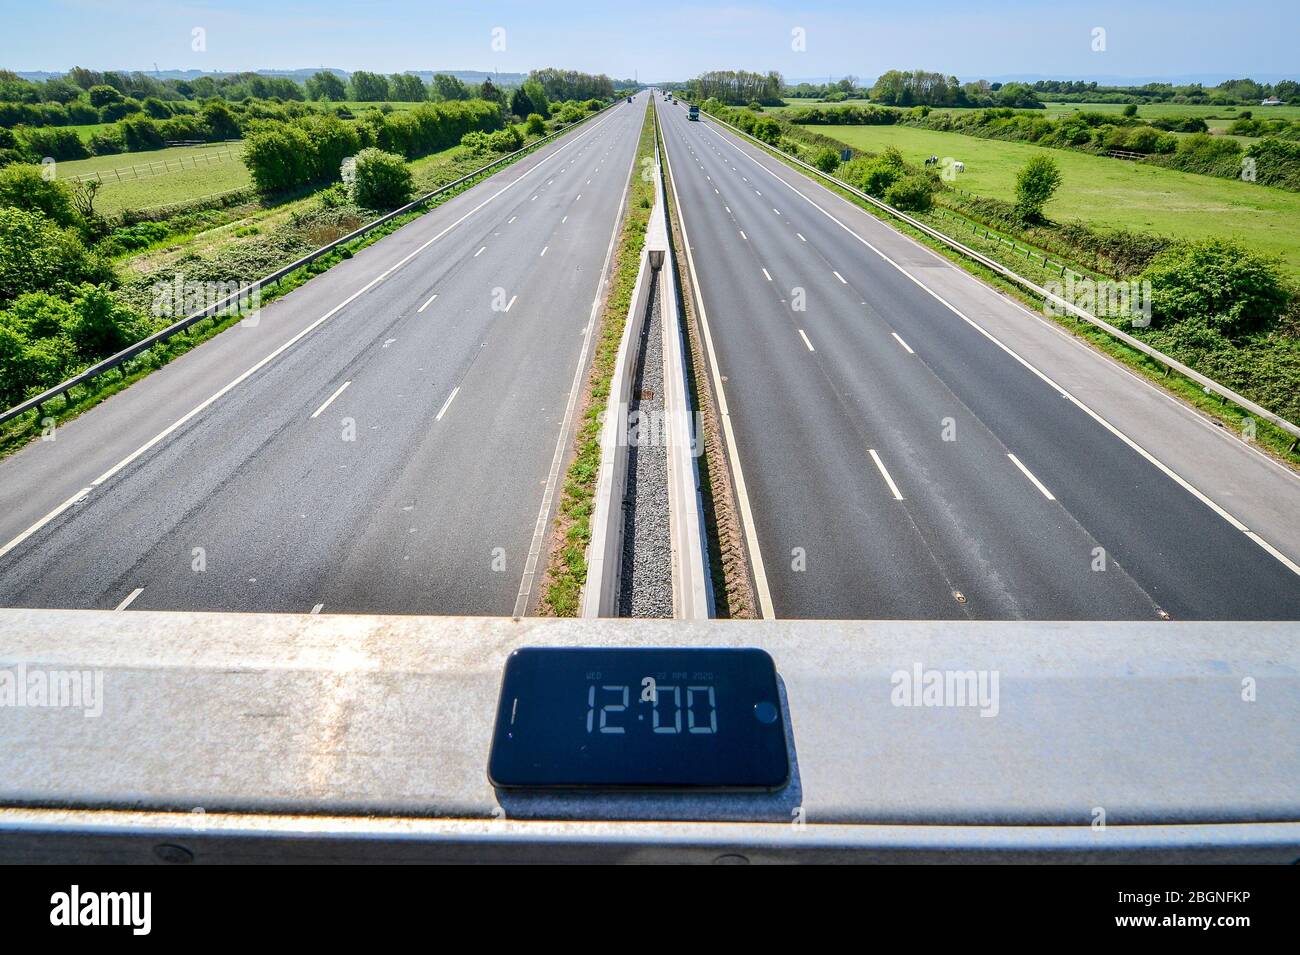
(578, 718)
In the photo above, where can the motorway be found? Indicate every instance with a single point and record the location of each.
(911, 444)
(386, 439)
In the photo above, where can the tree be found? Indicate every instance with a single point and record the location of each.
(405, 88)
(520, 104)
(537, 96)
(383, 180)
(491, 92)
(369, 87)
(326, 85)
(1036, 183)
(101, 96)
(447, 88)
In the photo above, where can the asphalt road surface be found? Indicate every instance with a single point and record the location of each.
(384, 439)
(913, 445)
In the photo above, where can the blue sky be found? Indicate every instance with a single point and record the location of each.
(661, 40)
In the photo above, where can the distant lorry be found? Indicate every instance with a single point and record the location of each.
(694, 113)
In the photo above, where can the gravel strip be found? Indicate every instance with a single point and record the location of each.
(645, 584)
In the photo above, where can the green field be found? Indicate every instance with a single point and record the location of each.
(1108, 192)
(161, 176)
(1216, 117)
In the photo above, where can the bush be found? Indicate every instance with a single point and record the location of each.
(277, 155)
(767, 130)
(101, 325)
(536, 125)
(912, 193)
(107, 142)
(875, 176)
(1217, 283)
(826, 159)
(55, 143)
(1036, 183)
(141, 134)
(36, 253)
(23, 186)
(383, 180)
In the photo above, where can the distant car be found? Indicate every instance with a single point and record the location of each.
(629, 99)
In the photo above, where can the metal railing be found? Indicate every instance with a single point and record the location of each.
(217, 308)
(1208, 384)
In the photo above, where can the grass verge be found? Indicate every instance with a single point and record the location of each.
(566, 566)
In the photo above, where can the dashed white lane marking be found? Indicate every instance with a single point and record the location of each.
(880, 465)
(543, 252)
(838, 276)
(903, 343)
(776, 210)
(318, 608)
(510, 303)
(564, 220)
(129, 597)
(480, 252)
(427, 303)
(805, 340)
(743, 236)
(767, 275)
(801, 238)
(330, 399)
(579, 197)
(1029, 474)
(447, 404)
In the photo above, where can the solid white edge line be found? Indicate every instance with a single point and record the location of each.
(880, 466)
(900, 341)
(129, 597)
(805, 340)
(541, 528)
(1147, 455)
(1030, 474)
(45, 520)
(737, 474)
(427, 304)
(447, 404)
(330, 399)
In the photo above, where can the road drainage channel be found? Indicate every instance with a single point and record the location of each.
(647, 556)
